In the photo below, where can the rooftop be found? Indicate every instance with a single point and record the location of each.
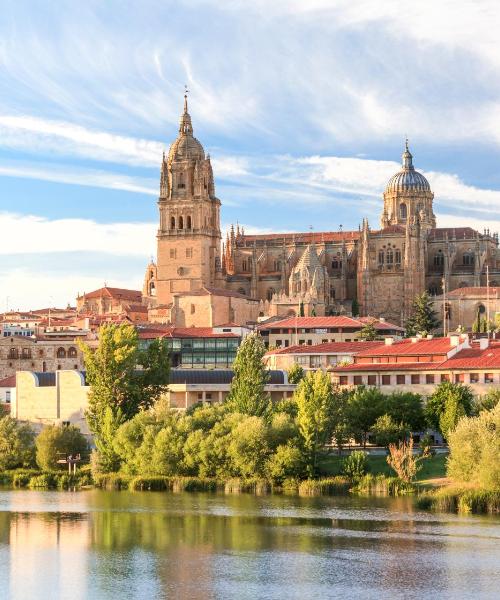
(327, 348)
(325, 322)
(117, 293)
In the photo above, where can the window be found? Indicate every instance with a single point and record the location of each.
(200, 395)
(332, 293)
(335, 263)
(415, 379)
(72, 352)
(459, 378)
(400, 379)
(381, 256)
(445, 377)
(439, 259)
(40, 353)
(474, 377)
(193, 309)
(188, 222)
(429, 379)
(398, 257)
(208, 396)
(386, 380)
(390, 256)
(172, 222)
(433, 290)
(7, 396)
(13, 353)
(181, 184)
(242, 291)
(343, 380)
(372, 380)
(358, 380)
(181, 222)
(244, 265)
(270, 293)
(26, 353)
(403, 211)
(277, 265)
(66, 423)
(488, 378)
(189, 253)
(173, 253)
(61, 353)
(468, 259)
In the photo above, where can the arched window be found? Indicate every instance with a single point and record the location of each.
(13, 353)
(433, 290)
(335, 264)
(244, 265)
(188, 225)
(61, 353)
(468, 259)
(44, 366)
(152, 289)
(403, 211)
(181, 223)
(381, 256)
(398, 257)
(332, 293)
(72, 352)
(270, 293)
(439, 259)
(447, 311)
(481, 309)
(390, 256)
(181, 183)
(277, 265)
(172, 222)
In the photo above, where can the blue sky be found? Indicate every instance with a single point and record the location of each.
(302, 104)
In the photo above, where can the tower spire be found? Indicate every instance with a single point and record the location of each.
(185, 125)
(407, 158)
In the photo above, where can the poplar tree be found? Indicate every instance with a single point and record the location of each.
(423, 319)
(247, 394)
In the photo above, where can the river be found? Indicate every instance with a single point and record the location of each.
(147, 545)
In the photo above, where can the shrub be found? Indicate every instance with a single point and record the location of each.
(387, 431)
(44, 480)
(403, 461)
(329, 485)
(287, 462)
(17, 447)
(355, 465)
(57, 441)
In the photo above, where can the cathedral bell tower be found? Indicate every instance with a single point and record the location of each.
(189, 233)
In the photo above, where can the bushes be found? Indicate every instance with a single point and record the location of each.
(58, 441)
(383, 485)
(330, 485)
(355, 465)
(17, 444)
(461, 500)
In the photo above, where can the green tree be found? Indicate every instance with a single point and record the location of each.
(123, 380)
(436, 403)
(56, 442)
(407, 408)
(295, 373)
(451, 415)
(423, 319)
(387, 431)
(365, 406)
(249, 447)
(287, 462)
(368, 333)
(17, 444)
(247, 394)
(315, 418)
(355, 465)
(488, 401)
(355, 308)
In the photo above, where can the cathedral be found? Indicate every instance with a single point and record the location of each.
(200, 279)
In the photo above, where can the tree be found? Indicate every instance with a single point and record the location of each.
(387, 431)
(365, 405)
(249, 447)
(407, 408)
(17, 444)
(451, 415)
(247, 394)
(368, 333)
(55, 442)
(355, 308)
(287, 462)
(295, 373)
(123, 380)
(403, 461)
(315, 418)
(436, 403)
(488, 401)
(423, 319)
(355, 465)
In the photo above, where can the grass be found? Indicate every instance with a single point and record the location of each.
(475, 501)
(432, 468)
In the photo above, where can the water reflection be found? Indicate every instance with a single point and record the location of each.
(154, 545)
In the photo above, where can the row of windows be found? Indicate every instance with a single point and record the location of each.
(15, 353)
(188, 344)
(389, 257)
(180, 222)
(188, 252)
(416, 379)
(467, 259)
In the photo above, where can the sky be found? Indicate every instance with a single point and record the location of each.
(304, 106)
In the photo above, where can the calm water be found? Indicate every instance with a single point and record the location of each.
(102, 545)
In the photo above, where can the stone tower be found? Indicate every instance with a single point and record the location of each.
(408, 197)
(189, 235)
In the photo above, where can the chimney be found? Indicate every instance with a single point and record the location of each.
(430, 337)
(414, 340)
(382, 319)
(484, 343)
(389, 341)
(454, 340)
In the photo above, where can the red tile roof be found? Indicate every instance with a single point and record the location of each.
(324, 322)
(409, 348)
(327, 348)
(474, 358)
(8, 382)
(182, 332)
(306, 238)
(460, 233)
(363, 368)
(118, 293)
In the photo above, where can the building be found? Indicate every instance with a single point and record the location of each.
(110, 301)
(320, 330)
(61, 397)
(319, 356)
(196, 347)
(462, 307)
(419, 365)
(19, 353)
(319, 273)
(51, 399)
(7, 392)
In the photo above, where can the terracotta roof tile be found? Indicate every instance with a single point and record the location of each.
(327, 348)
(118, 293)
(324, 322)
(8, 382)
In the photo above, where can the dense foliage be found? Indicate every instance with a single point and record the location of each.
(124, 380)
(475, 450)
(448, 403)
(17, 444)
(55, 442)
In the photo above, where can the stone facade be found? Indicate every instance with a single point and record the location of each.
(309, 273)
(29, 354)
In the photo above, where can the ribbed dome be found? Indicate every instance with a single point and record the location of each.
(407, 180)
(186, 146)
